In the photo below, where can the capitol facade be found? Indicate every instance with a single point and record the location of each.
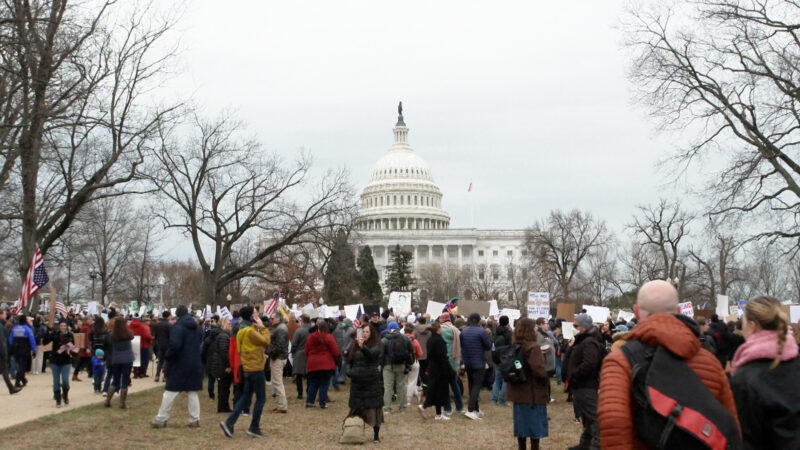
(402, 205)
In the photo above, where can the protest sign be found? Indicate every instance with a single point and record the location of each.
(224, 313)
(400, 302)
(538, 305)
(322, 311)
(565, 310)
(350, 311)
(512, 314)
(794, 313)
(142, 309)
(136, 345)
(626, 316)
(733, 309)
(467, 307)
(79, 340)
(722, 306)
(599, 313)
(92, 308)
(687, 309)
(568, 330)
(493, 310)
(434, 309)
(369, 310)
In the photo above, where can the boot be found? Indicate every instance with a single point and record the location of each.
(123, 396)
(75, 376)
(57, 396)
(109, 397)
(65, 392)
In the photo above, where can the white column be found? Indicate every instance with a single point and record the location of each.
(444, 254)
(458, 249)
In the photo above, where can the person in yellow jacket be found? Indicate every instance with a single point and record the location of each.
(251, 343)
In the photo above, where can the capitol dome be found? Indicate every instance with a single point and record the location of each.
(401, 193)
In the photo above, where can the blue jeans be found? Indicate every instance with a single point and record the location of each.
(336, 378)
(558, 370)
(98, 379)
(122, 375)
(499, 387)
(108, 380)
(254, 382)
(456, 395)
(145, 359)
(318, 381)
(60, 373)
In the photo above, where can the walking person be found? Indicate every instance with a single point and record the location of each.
(185, 368)
(4, 355)
(21, 344)
(142, 330)
(121, 362)
(398, 355)
(299, 353)
(278, 352)
(219, 365)
(474, 344)
(252, 341)
(163, 328)
(422, 334)
(450, 334)
(583, 370)
(766, 370)
(440, 372)
(61, 360)
(321, 356)
(502, 338)
(413, 373)
(98, 369)
(531, 397)
(366, 384)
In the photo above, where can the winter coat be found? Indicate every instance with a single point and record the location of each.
(440, 372)
(163, 331)
(143, 331)
(366, 380)
(474, 343)
(585, 358)
(58, 339)
(386, 342)
(767, 400)
(183, 356)
(339, 333)
(251, 343)
(21, 340)
(415, 345)
(548, 349)
(217, 356)
(123, 351)
(322, 353)
(678, 334)
(298, 350)
(422, 334)
(279, 342)
(535, 389)
(98, 365)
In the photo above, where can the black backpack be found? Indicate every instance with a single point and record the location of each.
(397, 351)
(673, 408)
(499, 345)
(513, 366)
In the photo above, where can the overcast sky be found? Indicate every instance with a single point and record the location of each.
(528, 100)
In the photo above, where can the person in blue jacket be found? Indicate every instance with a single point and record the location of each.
(21, 344)
(474, 344)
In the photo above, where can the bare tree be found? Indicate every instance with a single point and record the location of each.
(562, 243)
(440, 282)
(727, 73)
(219, 189)
(662, 227)
(717, 259)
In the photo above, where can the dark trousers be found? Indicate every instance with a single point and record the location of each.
(298, 380)
(475, 377)
(585, 401)
(318, 381)
(224, 393)
(98, 380)
(211, 386)
(23, 361)
(145, 359)
(423, 368)
(160, 365)
(238, 390)
(6, 377)
(254, 383)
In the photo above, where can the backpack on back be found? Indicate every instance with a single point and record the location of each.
(498, 344)
(513, 366)
(397, 352)
(673, 408)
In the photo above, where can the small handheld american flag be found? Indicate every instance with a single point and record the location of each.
(61, 308)
(273, 305)
(34, 280)
(357, 322)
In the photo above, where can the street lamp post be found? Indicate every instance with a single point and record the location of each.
(93, 274)
(161, 282)
(229, 298)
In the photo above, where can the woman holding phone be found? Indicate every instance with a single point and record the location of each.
(366, 389)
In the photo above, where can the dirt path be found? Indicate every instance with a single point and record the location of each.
(36, 399)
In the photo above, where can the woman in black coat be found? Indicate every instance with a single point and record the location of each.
(437, 392)
(366, 389)
(219, 366)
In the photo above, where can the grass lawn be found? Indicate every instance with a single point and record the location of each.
(97, 427)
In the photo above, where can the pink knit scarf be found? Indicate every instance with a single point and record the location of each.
(764, 345)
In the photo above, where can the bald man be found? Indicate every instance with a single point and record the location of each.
(659, 325)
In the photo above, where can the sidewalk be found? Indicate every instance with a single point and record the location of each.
(36, 399)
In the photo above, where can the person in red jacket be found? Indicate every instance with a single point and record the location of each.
(321, 356)
(142, 330)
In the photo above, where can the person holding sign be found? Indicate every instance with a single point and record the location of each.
(61, 360)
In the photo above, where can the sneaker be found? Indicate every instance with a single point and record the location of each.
(421, 411)
(461, 411)
(480, 414)
(228, 432)
(105, 394)
(576, 420)
(194, 424)
(448, 413)
(158, 424)
(256, 434)
(442, 418)
(245, 413)
(472, 415)
(387, 410)
(552, 399)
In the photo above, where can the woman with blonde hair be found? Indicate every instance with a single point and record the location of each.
(766, 371)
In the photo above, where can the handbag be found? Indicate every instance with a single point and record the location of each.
(352, 431)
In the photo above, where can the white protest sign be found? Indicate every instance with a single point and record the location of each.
(538, 304)
(322, 311)
(687, 309)
(599, 313)
(400, 302)
(722, 306)
(733, 309)
(568, 330)
(142, 309)
(92, 308)
(351, 311)
(76, 308)
(794, 313)
(493, 310)
(104, 316)
(308, 308)
(136, 345)
(434, 309)
(626, 316)
(512, 314)
(172, 311)
(334, 313)
(224, 313)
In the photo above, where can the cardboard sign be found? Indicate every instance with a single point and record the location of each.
(568, 330)
(136, 345)
(687, 309)
(794, 313)
(626, 316)
(80, 340)
(350, 311)
(467, 307)
(565, 310)
(538, 305)
(400, 302)
(599, 313)
(434, 309)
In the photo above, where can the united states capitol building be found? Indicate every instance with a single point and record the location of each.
(401, 204)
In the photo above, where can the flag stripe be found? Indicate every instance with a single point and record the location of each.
(34, 280)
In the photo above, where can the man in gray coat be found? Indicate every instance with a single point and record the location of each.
(278, 352)
(299, 353)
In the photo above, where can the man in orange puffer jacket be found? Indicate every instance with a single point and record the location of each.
(655, 304)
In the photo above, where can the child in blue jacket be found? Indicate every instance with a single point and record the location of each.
(98, 369)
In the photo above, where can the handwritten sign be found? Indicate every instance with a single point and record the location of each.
(538, 305)
(687, 309)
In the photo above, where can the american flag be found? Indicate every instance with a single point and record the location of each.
(61, 308)
(451, 305)
(34, 280)
(357, 322)
(273, 305)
